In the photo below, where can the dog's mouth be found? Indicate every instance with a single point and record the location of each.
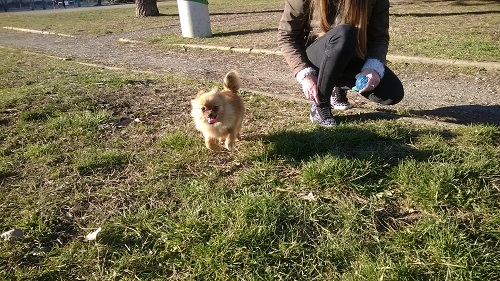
(212, 115)
(211, 119)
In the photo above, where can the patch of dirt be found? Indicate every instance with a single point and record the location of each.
(394, 216)
(149, 104)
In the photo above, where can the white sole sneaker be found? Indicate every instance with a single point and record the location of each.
(343, 106)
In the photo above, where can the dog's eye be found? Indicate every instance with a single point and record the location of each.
(215, 108)
(203, 108)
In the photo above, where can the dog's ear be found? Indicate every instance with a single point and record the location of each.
(200, 92)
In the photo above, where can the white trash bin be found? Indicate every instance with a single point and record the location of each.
(194, 17)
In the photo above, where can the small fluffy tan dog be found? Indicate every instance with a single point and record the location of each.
(218, 114)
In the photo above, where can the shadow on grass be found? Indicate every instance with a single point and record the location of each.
(243, 32)
(460, 114)
(373, 115)
(5, 173)
(230, 13)
(295, 146)
(344, 159)
(465, 114)
(423, 15)
(45, 233)
(246, 13)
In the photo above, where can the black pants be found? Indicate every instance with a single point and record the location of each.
(334, 56)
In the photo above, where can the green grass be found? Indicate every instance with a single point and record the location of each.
(86, 21)
(366, 200)
(465, 30)
(446, 30)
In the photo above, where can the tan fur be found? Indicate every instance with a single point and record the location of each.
(223, 107)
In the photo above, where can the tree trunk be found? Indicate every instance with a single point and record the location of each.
(146, 8)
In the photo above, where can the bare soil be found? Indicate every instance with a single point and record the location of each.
(445, 93)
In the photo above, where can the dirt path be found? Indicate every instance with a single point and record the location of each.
(459, 98)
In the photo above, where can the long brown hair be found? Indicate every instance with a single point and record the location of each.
(351, 12)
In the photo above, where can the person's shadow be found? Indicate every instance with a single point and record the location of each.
(459, 114)
(362, 157)
(463, 114)
(355, 143)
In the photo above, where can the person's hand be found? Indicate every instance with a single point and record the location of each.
(373, 80)
(310, 87)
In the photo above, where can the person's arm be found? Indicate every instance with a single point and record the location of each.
(291, 40)
(377, 45)
(378, 37)
(291, 34)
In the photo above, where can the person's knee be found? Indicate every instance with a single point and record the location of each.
(344, 36)
(346, 31)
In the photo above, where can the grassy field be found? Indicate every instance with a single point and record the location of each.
(464, 30)
(367, 200)
(83, 148)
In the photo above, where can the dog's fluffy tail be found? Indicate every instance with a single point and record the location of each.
(232, 81)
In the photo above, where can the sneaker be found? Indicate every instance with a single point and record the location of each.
(339, 99)
(322, 115)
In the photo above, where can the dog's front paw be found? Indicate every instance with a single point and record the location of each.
(212, 144)
(229, 144)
